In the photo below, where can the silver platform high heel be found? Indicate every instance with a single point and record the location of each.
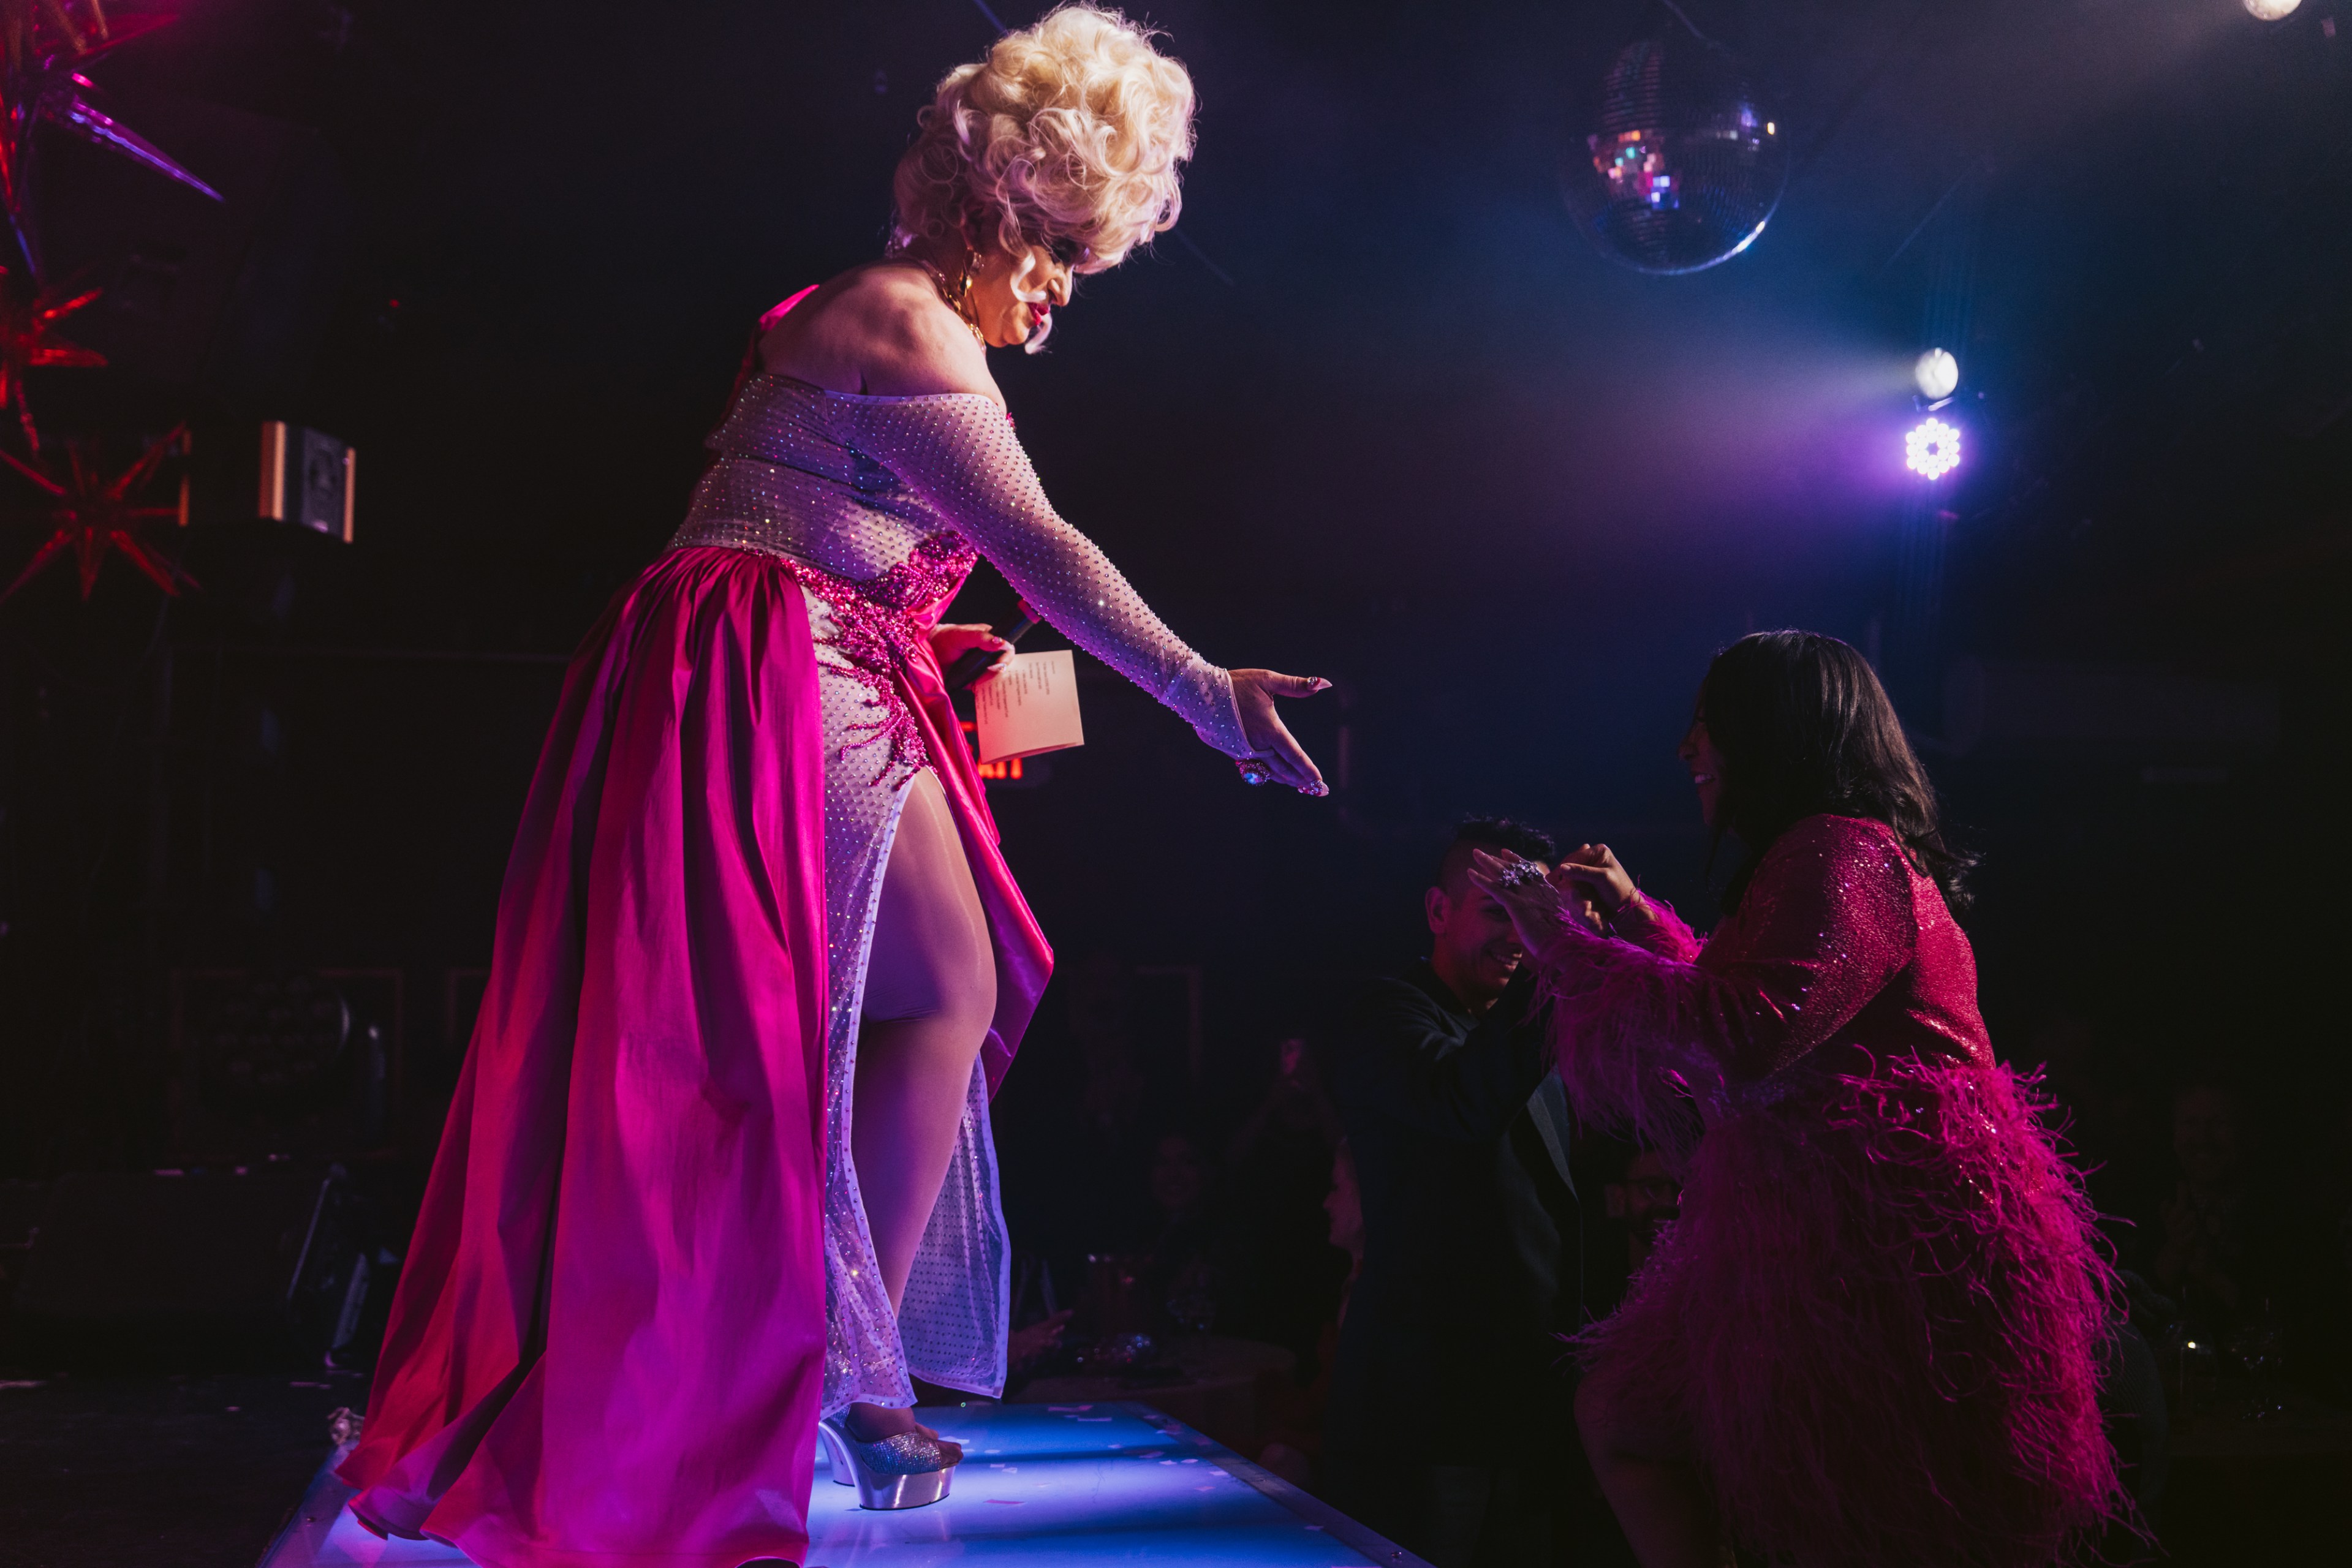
(906, 1470)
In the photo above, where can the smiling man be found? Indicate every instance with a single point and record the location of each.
(1445, 1428)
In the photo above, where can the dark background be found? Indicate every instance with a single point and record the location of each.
(1375, 411)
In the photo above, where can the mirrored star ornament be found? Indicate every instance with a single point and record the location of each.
(1681, 164)
(29, 337)
(43, 44)
(94, 514)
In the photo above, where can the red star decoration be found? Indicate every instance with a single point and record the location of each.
(94, 514)
(43, 46)
(29, 337)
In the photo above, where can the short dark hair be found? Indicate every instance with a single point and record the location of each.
(1491, 832)
(1805, 729)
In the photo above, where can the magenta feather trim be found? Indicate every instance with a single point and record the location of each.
(1628, 1040)
(1876, 1326)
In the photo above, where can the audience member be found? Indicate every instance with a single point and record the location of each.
(1026, 1347)
(1293, 1415)
(1077, 1130)
(2205, 1254)
(2240, 1247)
(1345, 1204)
(1285, 1285)
(1295, 1118)
(1180, 1272)
(1449, 1427)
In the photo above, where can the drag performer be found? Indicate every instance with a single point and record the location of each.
(1872, 1336)
(720, 1163)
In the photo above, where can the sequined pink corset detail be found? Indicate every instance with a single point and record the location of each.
(876, 626)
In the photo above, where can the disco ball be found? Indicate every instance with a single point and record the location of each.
(1683, 165)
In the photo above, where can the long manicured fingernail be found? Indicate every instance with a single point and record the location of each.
(1321, 685)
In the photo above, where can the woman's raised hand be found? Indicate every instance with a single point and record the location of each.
(1537, 910)
(1270, 740)
(1590, 872)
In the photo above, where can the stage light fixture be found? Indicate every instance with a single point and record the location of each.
(1932, 449)
(1937, 374)
(2271, 10)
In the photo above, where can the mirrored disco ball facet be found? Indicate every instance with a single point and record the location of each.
(1683, 164)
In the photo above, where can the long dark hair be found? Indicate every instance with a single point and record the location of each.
(1804, 727)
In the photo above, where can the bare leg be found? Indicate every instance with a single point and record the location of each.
(930, 993)
(1666, 1514)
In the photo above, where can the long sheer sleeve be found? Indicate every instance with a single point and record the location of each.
(1826, 923)
(958, 452)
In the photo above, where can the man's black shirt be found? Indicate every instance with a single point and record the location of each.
(1471, 1240)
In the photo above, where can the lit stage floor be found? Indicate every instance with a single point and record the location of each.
(1044, 1484)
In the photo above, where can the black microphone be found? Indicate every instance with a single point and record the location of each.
(972, 662)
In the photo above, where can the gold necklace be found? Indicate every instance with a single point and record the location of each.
(954, 299)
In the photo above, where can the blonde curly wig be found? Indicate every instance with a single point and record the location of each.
(1070, 131)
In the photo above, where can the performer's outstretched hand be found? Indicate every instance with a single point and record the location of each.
(1270, 741)
(1537, 910)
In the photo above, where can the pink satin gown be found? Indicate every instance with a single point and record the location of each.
(642, 1270)
(1876, 1326)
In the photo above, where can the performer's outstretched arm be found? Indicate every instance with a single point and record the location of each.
(959, 451)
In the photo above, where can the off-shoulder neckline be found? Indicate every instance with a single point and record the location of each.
(873, 397)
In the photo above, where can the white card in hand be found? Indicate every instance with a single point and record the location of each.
(1028, 704)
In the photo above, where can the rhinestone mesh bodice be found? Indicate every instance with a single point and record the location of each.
(853, 485)
(877, 507)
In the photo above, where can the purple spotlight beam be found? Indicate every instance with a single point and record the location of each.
(1932, 449)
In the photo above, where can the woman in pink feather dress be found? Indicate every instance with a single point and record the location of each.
(1872, 1337)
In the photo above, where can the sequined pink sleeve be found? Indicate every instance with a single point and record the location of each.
(1826, 923)
(960, 453)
